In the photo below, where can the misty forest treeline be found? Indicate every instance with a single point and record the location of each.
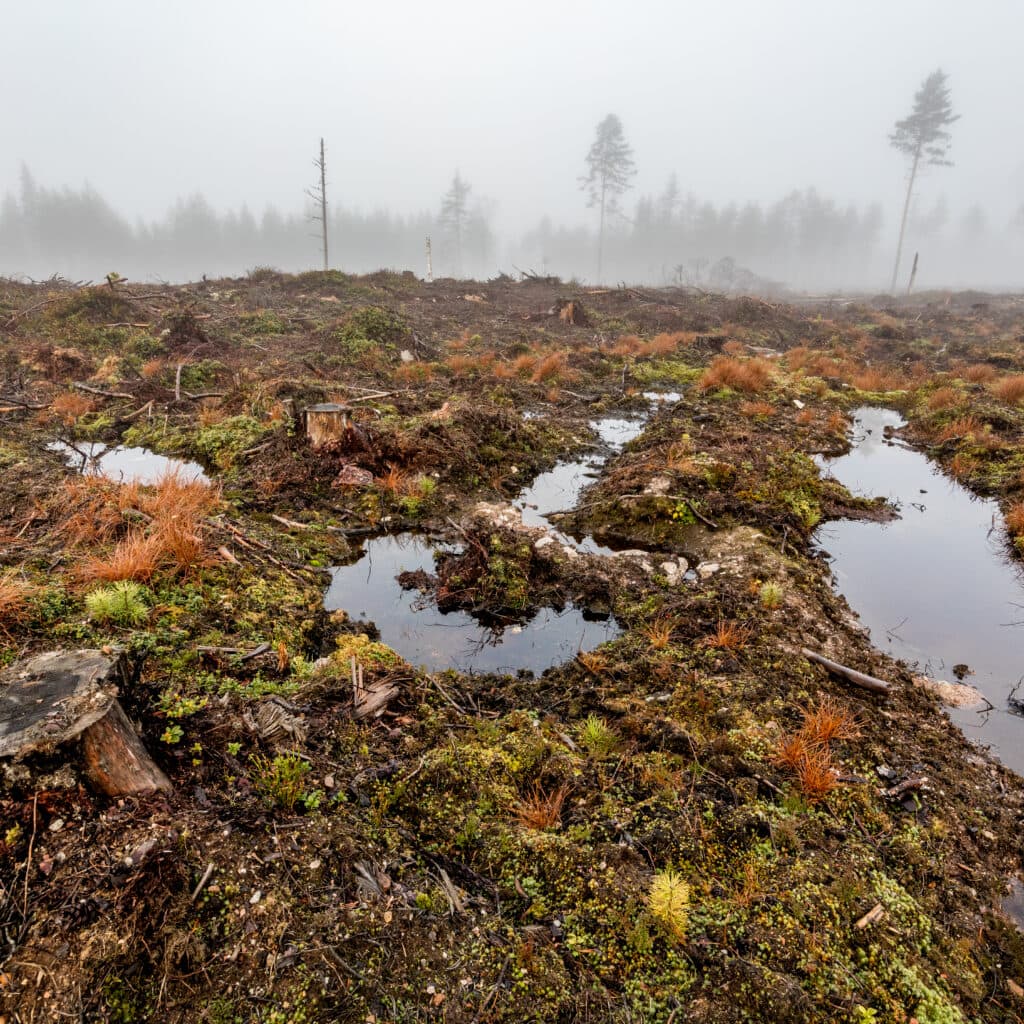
(803, 241)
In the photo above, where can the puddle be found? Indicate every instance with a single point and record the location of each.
(559, 489)
(935, 586)
(412, 625)
(125, 464)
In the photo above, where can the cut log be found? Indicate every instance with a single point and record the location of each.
(851, 675)
(61, 696)
(327, 422)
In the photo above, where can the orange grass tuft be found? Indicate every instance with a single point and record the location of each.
(943, 398)
(979, 373)
(1015, 519)
(70, 407)
(729, 636)
(550, 368)
(827, 722)
(755, 409)
(659, 633)
(748, 375)
(1009, 389)
(962, 426)
(14, 602)
(137, 557)
(539, 810)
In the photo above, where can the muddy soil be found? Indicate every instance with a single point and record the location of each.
(687, 821)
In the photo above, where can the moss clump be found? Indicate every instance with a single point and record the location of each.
(368, 329)
(222, 443)
(367, 652)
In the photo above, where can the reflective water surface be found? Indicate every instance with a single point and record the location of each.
(935, 586)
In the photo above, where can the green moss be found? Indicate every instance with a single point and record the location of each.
(221, 443)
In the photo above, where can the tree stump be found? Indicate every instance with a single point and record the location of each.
(327, 422)
(61, 696)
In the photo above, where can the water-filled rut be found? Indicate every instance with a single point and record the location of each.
(935, 586)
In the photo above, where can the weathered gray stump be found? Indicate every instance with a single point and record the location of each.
(327, 422)
(54, 698)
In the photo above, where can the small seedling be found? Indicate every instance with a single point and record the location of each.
(669, 902)
(123, 604)
(597, 737)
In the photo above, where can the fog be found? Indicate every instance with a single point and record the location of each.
(171, 140)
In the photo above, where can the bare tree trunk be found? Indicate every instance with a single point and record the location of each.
(913, 274)
(600, 237)
(903, 220)
(323, 200)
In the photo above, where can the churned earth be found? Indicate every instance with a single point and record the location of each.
(674, 816)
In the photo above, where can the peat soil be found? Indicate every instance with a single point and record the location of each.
(689, 822)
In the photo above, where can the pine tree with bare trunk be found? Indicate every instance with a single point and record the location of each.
(454, 217)
(610, 169)
(922, 137)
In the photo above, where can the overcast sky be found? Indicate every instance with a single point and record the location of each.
(150, 100)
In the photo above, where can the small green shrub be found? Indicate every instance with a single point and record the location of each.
(122, 603)
(770, 595)
(282, 781)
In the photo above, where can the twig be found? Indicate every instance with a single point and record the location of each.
(28, 861)
(202, 882)
(99, 391)
(849, 674)
(876, 913)
(236, 651)
(24, 405)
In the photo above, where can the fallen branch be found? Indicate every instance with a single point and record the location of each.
(99, 391)
(23, 404)
(851, 675)
(894, 792)
(238, 652)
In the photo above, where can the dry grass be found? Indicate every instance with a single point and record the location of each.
(525, 364)
(962, 426)
(836, 423)
(136, 557)
(151, 368)
(807, 753)
(593, 661)
(659, 633)
(962, 466)
(873, 380)
(750, 376)
(666, 343)
(943, 398)
(827, 722)
(628, 345)
(70, 407)
(816, 776)
(979, 373)
(796, 357)
(1009, 389)
(15, 595)
(1015, 519)
(171, 533)
(395, 481)
(213, 412)
(729, 636)
(755, 409)
(734, 347)
(540, 810)
(414, 373)
(550, 368)
(805, 417)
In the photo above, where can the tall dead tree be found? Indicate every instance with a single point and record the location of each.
(318, 193)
